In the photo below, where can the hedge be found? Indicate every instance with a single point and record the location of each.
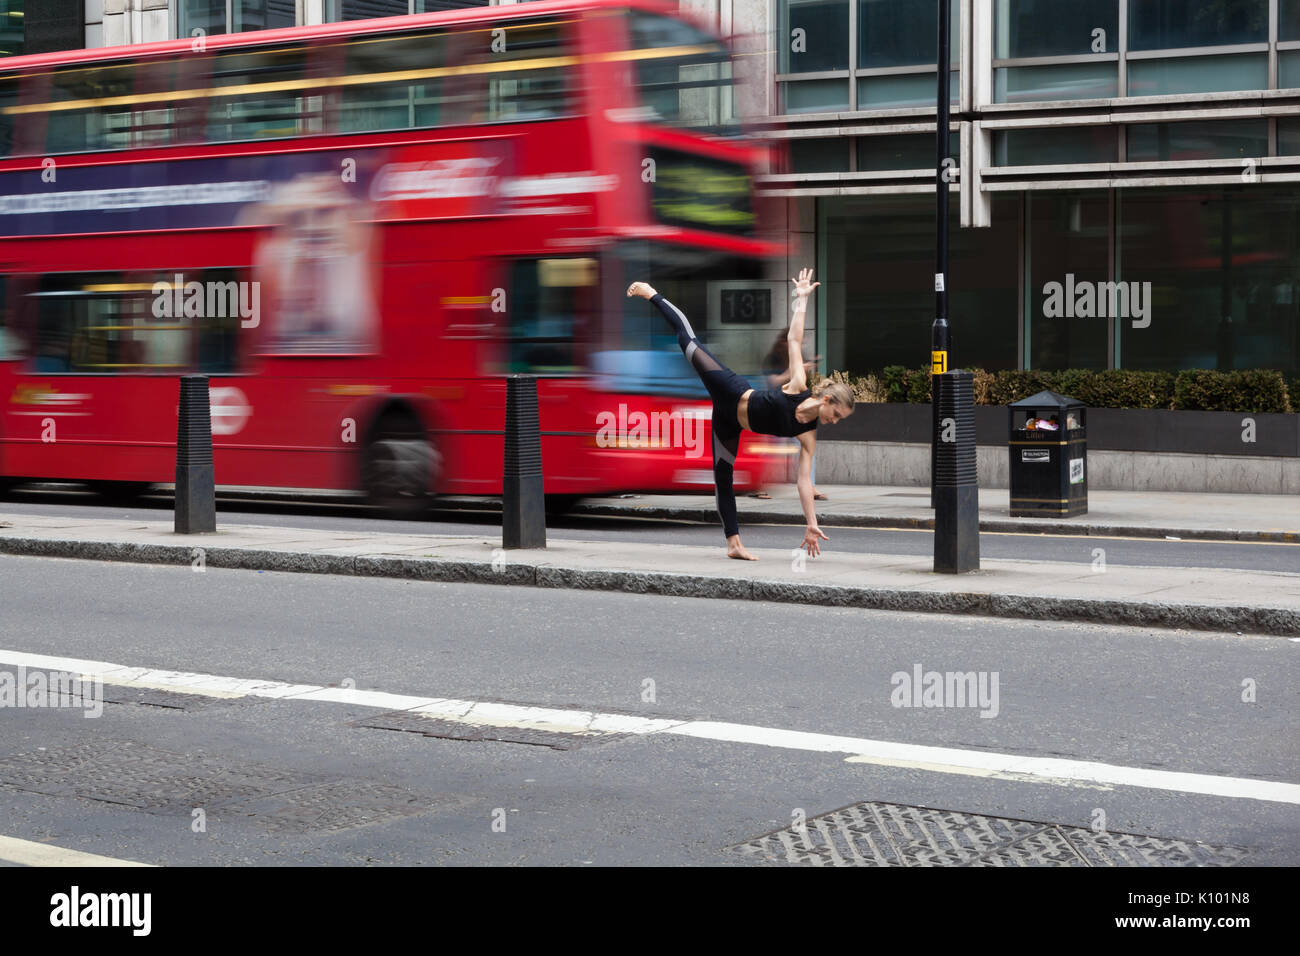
(1245, 390)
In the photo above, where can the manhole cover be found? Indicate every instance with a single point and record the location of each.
(342, 805)
(891, 834)
(135, 775)
(158, 781)
(410, 722)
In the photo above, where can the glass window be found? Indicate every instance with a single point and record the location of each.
(683, 84)
(1065, 81)
(262, 14)
(1288, 137)
(255, 106)
(10, 343)
(1223, 268)
(816, 96)
(902, 32)
(1069, 238)
(208, 16)
(105, 322)
(903, 89)
(902, 151)
(880, 302)
(537, 88)
(1288, 69)
(8, 98)
(1226, 139)
(1288, 19)
(400, 105)
(1025, 28)
(11, 27)
(819, 155)
(336, 10)
(1065, 145)
(816, 36)
(1174, 24)
(1198, 74)
(553, 306)
(77, 121)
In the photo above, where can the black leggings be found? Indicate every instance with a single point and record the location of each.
(725, 388)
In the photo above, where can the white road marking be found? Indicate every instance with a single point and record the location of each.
(27, 853)
(859, 749)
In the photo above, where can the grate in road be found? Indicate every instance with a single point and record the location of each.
(891, 834)
(459, 730)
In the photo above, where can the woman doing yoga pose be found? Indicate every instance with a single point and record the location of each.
(791, 410)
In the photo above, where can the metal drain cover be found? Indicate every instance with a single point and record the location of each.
(342, 805)
(410, 722)
(891, 834)
(145, 778)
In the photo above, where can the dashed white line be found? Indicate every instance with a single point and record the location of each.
(27, 853)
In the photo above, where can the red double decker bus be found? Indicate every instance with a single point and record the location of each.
(356, 230)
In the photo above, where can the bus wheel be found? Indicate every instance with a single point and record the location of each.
(396, 473)
(121, 492)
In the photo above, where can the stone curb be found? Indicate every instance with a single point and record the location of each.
(1248, 620)
(830, 519)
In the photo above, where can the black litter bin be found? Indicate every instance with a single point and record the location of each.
(1049, 452)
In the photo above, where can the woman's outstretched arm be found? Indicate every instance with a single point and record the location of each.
(803, 287)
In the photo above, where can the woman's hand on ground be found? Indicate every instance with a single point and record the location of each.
(643, 289)
(810, 542)
(804, 285)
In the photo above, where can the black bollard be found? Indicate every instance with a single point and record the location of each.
(196, 496)
(523, 503)
(956, 480)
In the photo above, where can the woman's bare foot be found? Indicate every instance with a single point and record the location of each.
(737, 550)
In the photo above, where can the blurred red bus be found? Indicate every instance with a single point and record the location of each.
(356, 229)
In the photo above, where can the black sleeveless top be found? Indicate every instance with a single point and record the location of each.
(771, 412)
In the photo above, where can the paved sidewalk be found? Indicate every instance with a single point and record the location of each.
(1145, 514)
(1252, 602)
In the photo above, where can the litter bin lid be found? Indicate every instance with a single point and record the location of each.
(1047, 399)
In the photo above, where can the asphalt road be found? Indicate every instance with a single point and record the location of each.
(1132, 698)
(1146, 552)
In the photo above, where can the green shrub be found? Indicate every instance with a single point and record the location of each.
(1243, 390)
(1252, 390)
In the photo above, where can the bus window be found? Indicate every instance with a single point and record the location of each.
(261, 94)
(85, 112)
(538, 85)
(552, 305)
(8, 98)
(683, 75)
(10, 343)
(98, 322)
(412, 102)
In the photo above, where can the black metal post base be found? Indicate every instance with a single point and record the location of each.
(523, 513)
(196, 501)
(956, 529)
